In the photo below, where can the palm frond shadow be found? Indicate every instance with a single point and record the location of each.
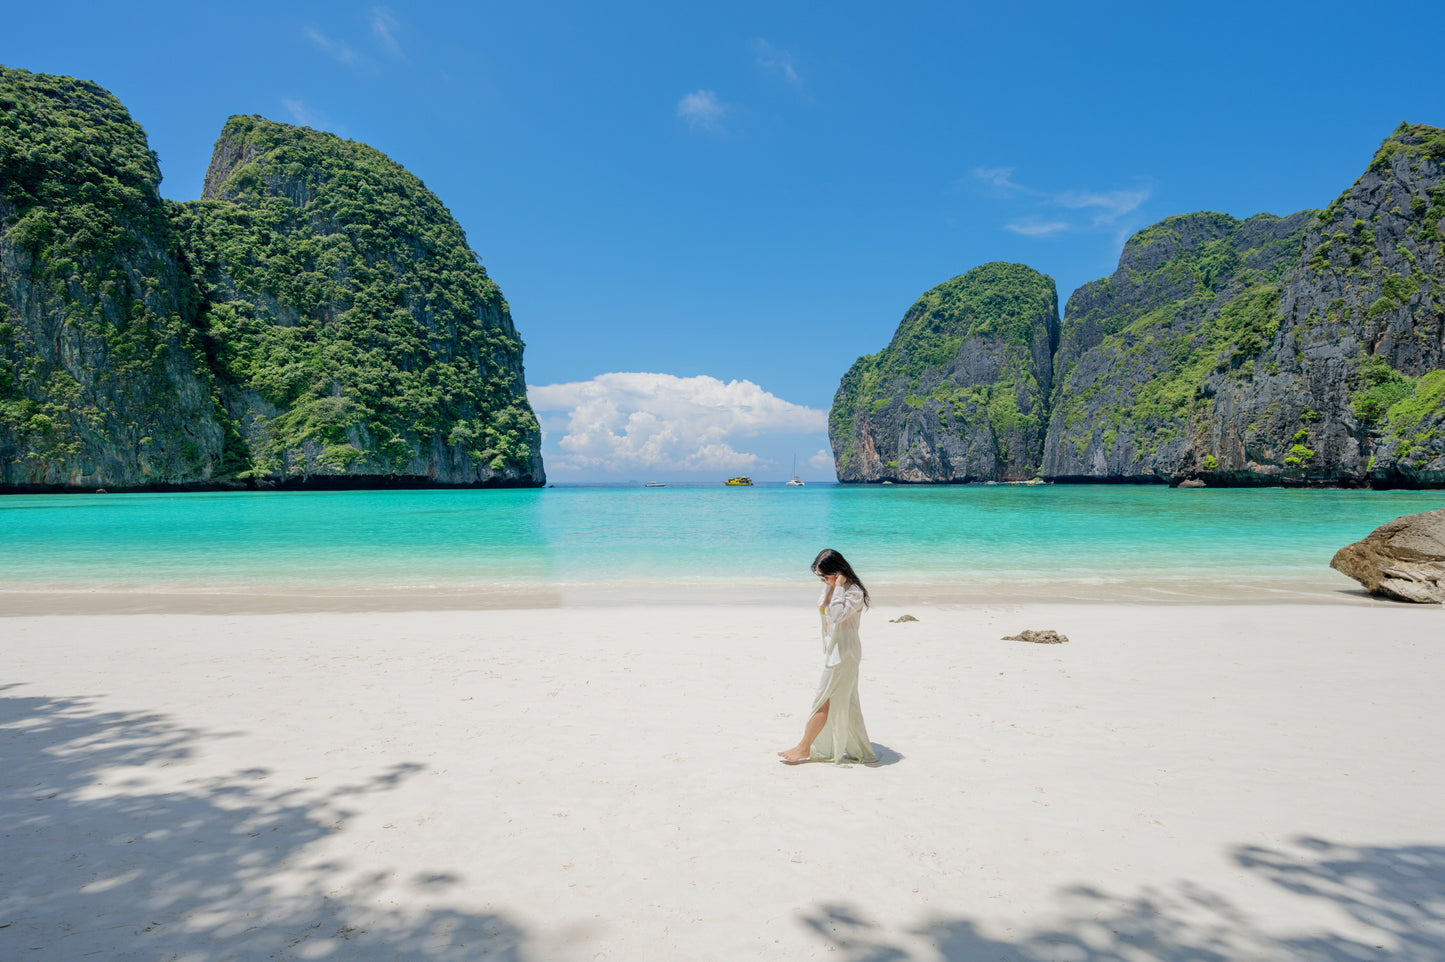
(1396, 894)
(206, 873)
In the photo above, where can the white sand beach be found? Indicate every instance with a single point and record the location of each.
(1176, 782)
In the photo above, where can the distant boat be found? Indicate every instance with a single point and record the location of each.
(739, 482)
(797, 482)
(655, 484)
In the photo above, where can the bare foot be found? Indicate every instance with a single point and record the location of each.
(794, 756)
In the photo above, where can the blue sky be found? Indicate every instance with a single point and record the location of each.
(702, 214)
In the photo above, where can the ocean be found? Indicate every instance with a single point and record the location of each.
(694, 542)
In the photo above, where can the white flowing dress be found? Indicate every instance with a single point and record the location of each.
(844, 737)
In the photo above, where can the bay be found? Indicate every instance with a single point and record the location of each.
(940, 542)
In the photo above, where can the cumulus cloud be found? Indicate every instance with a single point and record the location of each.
(822, 461)
(623, 421)
(1107, 207)
(702, 110)
(776, 61)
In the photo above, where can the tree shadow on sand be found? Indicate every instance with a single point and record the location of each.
(1396, 895)
(92, 862)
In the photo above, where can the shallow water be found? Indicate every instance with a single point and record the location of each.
(962, 541)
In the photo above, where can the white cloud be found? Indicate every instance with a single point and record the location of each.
(660, 422)
(306, 116)
(702, 110)
(1114, 204)
(1108, 206)
(997, 176)
(1033, 228)
(822, 461)
(383, 27)
(336, 48)
(777, 61)
(302, 114)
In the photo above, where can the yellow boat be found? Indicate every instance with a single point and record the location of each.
(739, 482)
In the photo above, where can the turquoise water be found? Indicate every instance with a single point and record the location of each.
(583, 536)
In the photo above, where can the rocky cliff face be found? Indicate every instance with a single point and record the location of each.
(961, 393)
(102, 379)
(1302, 350)
(1309, 350)
(357, 335)
(317, 318)
(1193, 296)
(1362, 331)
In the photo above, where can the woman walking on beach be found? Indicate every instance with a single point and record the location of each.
(835, 730)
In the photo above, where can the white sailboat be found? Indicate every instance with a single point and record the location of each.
(797, 482)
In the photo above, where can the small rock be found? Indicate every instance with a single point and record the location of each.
(1191, 483)
(1402, 559)
(1048, 637)
(894, 621)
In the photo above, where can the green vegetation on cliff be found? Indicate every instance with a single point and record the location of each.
(1199, 295)
(1415, 424)
(78, 174)
(318, 313)
(97, 310)
(995, 300)
(1307, 349)
(970, 357)
(1294, 350)
(343, 293)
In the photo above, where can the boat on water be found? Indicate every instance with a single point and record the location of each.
(655, 484)
(739, 482)
(797, 482)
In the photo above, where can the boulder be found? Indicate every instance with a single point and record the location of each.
(1403, 559)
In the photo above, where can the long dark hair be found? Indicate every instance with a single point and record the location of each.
(830, 562)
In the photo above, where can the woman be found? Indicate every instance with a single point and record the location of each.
(835, 731)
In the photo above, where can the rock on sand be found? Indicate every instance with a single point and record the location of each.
(1402, 559)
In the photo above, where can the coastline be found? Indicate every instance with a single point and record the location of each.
(1329, 589)
(598, 781)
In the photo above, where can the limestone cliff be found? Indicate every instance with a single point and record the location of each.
(1193, 296)
(317, 318)
(356, 334)
(1300, 350)
(102, 378)
(1308, 351)
(961, 393)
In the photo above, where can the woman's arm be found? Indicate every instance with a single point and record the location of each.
(845, 604)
